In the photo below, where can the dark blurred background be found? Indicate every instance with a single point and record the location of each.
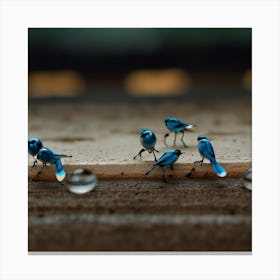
(117, 64)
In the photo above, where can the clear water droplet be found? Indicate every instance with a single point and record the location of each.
(81, 181)
(247, 179)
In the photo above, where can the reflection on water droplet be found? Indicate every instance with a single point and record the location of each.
(247, 179)
(81, 181)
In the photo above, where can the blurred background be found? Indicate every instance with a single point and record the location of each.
(139, 64)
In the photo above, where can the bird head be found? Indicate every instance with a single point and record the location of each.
(143, 130)
(201, 137)
(166, 119)
(178, 152)
(34, 145)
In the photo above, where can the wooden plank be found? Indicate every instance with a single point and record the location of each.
(138, 170)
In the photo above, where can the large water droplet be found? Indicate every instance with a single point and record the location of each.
(81, 181)
(247, 179)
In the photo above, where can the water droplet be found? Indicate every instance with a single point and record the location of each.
(81, 181)
(247, 179)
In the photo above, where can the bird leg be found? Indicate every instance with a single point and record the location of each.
(191, 172)
(166, 135)
(174, 142)
(155, 156)
(34, 162)
(199, 162)
(171, 166)
(39, 172)
(139, 154)
(182, 140)
(44, 164)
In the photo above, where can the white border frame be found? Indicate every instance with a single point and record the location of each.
(17, 16)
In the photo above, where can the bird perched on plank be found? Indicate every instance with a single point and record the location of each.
(206, 150)
(148, 140)
(34, 146)
(45, 155)
(168, 158)
(175, 125)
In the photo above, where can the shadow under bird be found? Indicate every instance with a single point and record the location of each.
(34, 146)
(148, 140)
(206, 150)
(168, 158)
(175, 125)
(45, 155)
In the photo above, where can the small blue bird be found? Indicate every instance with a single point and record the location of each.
(34, 146)
(148, 140)
(175, 125)
(45, 155)
(206, 150)
(168, 158)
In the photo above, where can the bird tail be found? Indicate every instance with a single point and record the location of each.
(150, 169)
(63, 156)
(221, 172)
(59, 172)
(189, 126)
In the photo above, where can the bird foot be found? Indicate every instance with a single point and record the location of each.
(199, 162)
(190, 173)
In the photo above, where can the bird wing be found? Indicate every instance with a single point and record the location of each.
(162, 158)
(167, 158)
(46, 155)
(206, 149)
(177, 123)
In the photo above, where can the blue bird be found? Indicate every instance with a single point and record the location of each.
(175, 125)
(206, 150)
(47, 156)
(148, 141)
(34, 146)
(168, 158)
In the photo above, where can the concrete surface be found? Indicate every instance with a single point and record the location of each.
(105, 138)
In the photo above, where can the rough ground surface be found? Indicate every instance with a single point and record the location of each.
(105, 137)
(131, 215)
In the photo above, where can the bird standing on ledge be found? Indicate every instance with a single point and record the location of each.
(34, 146)
(168, 158)
(206, 150)
(148, 141)
(175, 125)
(47, 156)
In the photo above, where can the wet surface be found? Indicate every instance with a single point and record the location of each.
(141, 215)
